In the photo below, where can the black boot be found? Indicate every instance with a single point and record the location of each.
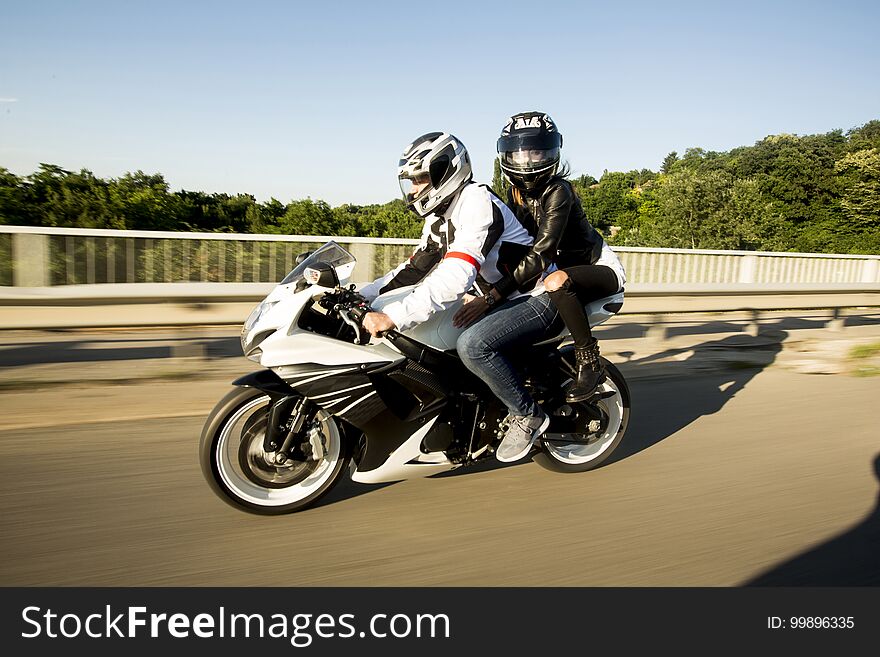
(589, 373)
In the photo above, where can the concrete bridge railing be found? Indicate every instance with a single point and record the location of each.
(43, 257)
(81, 278)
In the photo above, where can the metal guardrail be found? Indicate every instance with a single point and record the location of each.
(186, 304)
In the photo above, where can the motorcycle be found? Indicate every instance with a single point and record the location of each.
(332, 399)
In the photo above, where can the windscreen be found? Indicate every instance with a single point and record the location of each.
(331, 253)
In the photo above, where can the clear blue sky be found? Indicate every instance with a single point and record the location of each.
(297, 99)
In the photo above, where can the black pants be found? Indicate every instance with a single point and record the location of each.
(586, 283)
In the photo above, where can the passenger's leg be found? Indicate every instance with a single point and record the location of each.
(482, 348)
(570, 290)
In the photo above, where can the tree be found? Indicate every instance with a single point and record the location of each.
(308, 217)
(668, 162)
(613, 201)
(861, 198)
(143, 200)
(63, 198)
(14, 206)
(860, 174)
(500, 184)
(865, 136)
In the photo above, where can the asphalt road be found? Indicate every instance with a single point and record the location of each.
(727, 476)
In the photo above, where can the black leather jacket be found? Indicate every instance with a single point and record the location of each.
(562, 235)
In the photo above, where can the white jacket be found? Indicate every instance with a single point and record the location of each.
(476, 240)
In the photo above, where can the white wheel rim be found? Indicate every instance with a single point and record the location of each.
(579, 453)
(226, 451)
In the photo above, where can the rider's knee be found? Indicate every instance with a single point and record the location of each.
(555, 281)
(470, 344)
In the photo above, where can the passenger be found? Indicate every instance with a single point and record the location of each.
(568, 266)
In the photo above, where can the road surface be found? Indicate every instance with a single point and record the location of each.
(728, 474)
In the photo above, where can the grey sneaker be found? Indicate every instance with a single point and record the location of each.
(522, 432)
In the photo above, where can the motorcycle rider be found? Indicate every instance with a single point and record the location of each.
(569, 259)
(469, 235)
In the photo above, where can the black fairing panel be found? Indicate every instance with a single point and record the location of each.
(342, 390)
(265, 380)
(385, 433)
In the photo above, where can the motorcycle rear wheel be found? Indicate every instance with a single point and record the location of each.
(581, 456)
(242, 474)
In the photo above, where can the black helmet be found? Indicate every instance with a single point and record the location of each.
(529, 150)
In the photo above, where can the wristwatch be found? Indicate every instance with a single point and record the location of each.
(490, 299)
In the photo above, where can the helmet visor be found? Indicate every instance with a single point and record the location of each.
(415, 186)
(529, 159)
(527, 140)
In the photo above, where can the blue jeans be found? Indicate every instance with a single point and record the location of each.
(514, 325)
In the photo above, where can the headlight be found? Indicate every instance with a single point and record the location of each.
(252, 319)
(255, 316)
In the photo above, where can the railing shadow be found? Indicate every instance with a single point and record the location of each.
(109, 349)
(850, 559)
(675, 387)
(103, 348)
(683, 326)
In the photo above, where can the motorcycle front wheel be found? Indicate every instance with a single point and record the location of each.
(244, 475)
(587, 449)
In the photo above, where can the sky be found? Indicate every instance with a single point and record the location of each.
(318, 99)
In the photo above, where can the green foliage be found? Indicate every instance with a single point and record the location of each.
(812, 193)
(13, 205)
(500, 184)
(53, 196)
(668, 162)
(615, 199)
(865, 350)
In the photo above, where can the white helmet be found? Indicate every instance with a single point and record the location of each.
(431, 170)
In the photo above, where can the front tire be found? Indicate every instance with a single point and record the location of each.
(242, 474)
(559, 456)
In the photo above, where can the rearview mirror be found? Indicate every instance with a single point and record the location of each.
(321, 273)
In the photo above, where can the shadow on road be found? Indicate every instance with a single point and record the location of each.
(104, 347)
(629, 330)
(692, 382)
(851, 559)
(115, 349)
(347, 489)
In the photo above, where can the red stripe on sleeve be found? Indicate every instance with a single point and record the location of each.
(465, 257)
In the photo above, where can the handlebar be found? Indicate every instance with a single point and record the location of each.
(352, 308)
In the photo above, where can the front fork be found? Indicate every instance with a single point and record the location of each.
(287, 417)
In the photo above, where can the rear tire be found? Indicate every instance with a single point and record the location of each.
(581, 457)
(242, 474)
